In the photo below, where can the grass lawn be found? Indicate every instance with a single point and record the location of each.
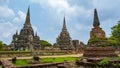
(12, 51)
(45, 60)
(21, 63)
(119, 55)
(59, 59)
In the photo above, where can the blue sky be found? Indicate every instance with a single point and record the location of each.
(47, 17)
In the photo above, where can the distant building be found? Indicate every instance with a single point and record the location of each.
(26, 40)
(79, 46)
(76, 44)
(64, 40)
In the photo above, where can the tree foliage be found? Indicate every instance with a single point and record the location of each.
(97, 41)
(94, 40)
(104, 61)
(112, 42)
(116, 34)
(45, 43)
(103, 42)
(2, 46)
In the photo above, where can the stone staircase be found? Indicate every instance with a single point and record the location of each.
(6, 64)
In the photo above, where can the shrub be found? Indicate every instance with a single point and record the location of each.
(36, 58)
(14, 60)
(104, 61)
(98, 41)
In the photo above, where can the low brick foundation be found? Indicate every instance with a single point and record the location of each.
(8, 64)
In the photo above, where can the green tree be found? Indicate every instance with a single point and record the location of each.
(45, 43)
(112, 42)
(116, 34)
(2, 46)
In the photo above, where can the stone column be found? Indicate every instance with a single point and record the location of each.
(31, 44)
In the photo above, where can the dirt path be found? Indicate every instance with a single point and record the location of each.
(73, 55)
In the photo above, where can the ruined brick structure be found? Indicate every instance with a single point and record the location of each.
(26, 40)
(79, 47)
(96, 32)
(96, 50)
(99, 52)
(64, 40)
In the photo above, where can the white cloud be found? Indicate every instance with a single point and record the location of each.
(107, 25)
(105, 4)
(20, 18)
(81, 27)
(6, 12)
(7, 29)
(21, 14)
(9, 21)
(6, 34)
(80, 32)
(35, 29)
(61, 7)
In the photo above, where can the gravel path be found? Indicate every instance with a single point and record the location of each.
(73, 55)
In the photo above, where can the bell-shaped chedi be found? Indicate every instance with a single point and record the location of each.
(64, 40)
(97, 44)
(97, 35)
(26, 39)
(96, 32)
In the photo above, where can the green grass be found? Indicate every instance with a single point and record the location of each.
(119, 55)
(14, 51)
(44, 60)
(59, 59)
(21, 63)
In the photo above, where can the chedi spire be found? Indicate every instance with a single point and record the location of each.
(27, 21)
(64, 25)
(96, 22)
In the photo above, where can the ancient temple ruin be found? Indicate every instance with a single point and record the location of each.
(64, 40)
(95, 49)
(96, 31)
(26, 39)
